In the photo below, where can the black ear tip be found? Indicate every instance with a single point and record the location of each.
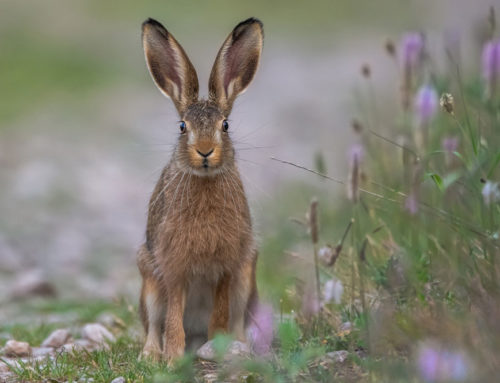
(249, 21)
(152, 22)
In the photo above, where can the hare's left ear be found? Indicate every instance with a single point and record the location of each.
(236, 63)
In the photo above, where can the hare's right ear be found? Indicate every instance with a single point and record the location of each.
(169, 65)
(236, 63)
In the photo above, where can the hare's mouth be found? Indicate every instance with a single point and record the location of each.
(206, 171)
(205, 161)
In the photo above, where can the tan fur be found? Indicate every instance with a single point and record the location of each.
(198, 262)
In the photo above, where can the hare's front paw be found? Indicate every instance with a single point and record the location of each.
(173, 350)
(173, 355)
(151, 352)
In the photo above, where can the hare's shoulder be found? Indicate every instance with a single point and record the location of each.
(157, 201)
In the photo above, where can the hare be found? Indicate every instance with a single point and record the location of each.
(198, 261)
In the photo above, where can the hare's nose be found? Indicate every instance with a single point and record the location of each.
(207, 154)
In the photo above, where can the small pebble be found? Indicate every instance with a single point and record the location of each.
(17, 349)
(57, 338)
(41, 351)
(338, 356)
(235, 349)
(120, 379)
(97, 333)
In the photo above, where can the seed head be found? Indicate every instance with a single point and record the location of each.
(313, 220)
(355, 157)
(366, 71)
(356, 126)
(492, 19)
(390, 48)
(447, 104)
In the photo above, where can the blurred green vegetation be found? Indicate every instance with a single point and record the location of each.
(59, 52)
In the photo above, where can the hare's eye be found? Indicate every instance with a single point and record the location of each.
(225, 125)
(182, 126)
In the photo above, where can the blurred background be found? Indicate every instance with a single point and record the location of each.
(84, 133)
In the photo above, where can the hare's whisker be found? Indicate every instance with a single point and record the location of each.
(173, 200)
(161, 193)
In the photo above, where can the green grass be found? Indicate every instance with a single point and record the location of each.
(292, 357)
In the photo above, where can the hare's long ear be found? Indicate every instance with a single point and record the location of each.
(169, 65)
(236, 63)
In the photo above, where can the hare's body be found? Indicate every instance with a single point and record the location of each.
(198, 262)
(198, 232)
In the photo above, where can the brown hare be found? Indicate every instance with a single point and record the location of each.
(198, 261)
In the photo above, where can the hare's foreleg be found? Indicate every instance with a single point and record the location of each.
(174, 341)
(243, 287)
(219, 320)
(152, 314)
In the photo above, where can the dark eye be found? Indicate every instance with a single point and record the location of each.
(225, 125)
(182, 126)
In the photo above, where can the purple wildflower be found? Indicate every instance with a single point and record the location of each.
(411, 204)
(260, 331)
(450, 144)
(491, 192)
(428, 363)
(333, 291)
(412, 47)
(426, 105)
(356, 153)
(491, 60)
(491, 66)
(436, 364)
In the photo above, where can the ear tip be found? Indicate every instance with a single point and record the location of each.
(153, 23)
(249, 21)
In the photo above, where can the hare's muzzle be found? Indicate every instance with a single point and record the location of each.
(205, 155)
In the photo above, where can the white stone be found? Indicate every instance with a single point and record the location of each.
(79, 345)
(41, 351)
(120, 379)
(97, 333)
(17, 349)
(235, 349)
(338, 356)
(57, 338)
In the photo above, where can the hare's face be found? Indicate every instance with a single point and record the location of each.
(204, 144)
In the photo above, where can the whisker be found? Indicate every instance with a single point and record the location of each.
(172, 202)
(164, 188)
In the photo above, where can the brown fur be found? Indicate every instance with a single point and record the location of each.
(198, 262)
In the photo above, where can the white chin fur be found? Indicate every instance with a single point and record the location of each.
(210, 172)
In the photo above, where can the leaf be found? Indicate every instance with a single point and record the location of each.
(437, 180)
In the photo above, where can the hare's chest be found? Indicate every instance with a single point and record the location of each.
(207, 230)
